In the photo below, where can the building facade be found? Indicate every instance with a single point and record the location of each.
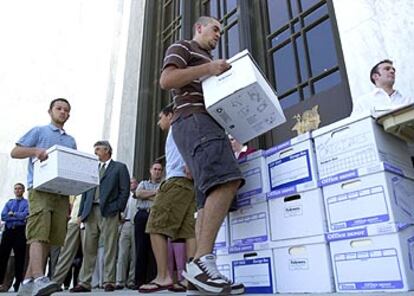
(315, 53)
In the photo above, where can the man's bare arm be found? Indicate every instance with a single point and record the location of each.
(24, 152)
(145, 194)
(173, 77)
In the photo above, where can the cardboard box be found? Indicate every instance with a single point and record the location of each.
(303, 266)
(255, 172)
(382, 197)
(249, 228)
(222, 242)
(297, 215)
(292, 166)
(241, 100)
(255, 271)
(380, 263)
(224, 266)
(354, 143)
(66, 171)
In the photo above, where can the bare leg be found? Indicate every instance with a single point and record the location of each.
(160, 249)
(215, 210)
(37, 259)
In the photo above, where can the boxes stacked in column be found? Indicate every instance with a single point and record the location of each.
(369, 201)
(250, 254)
(297, 219)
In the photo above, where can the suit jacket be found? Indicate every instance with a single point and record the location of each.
(113, 192)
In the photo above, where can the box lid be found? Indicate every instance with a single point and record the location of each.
(369, 230)
(307, 240)
(340, 123)
(296, 140)
(70, 151)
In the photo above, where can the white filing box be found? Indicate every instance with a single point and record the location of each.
(298, 215)
(303, 265)
(344, 147)
(241, 100)
(375, 263)
(255, 270)
(222, 242)
(249, 228)
(381, 197)
(255, 172)
(223, 263)
(292, 166)
(66, 171)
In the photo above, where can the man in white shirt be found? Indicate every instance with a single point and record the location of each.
(384, 97)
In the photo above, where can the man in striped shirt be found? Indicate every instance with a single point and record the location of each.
(205, 149)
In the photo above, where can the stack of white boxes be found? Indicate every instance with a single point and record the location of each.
(369, 201)
(297, 219)
(249, 227)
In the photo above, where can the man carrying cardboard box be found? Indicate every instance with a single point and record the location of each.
(46, 223)
(204, 147)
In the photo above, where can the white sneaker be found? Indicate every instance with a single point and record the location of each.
(25, 289)
(44, 287)
(203, 274)
(236, 289)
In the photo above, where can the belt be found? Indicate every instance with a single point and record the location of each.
(144, 209)
(95, 204)
(127, 220)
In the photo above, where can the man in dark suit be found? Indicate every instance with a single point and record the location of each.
(99, 211)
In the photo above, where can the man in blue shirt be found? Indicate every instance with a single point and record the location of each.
(172, 214)
(46, 224)
(14, 215)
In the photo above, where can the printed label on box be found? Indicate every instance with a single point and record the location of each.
(410, 242)
(255, 274)
(249, 229)
(368, 262)
(290, 170)
(298, 264)
(369, 206)
(253, 178)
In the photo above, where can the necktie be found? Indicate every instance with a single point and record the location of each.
(101, 173)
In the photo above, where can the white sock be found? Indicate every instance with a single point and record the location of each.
(39, 278)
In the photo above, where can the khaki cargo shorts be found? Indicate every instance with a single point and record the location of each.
(48, 216)
(172, 213)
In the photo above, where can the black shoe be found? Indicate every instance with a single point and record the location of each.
(79, 289)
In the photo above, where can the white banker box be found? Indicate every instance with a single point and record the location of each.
(255, 173)
(382, 197)
(249, 228)
(66, 171)
(354, 143)
(241, 100)
(376, 263)
(303, 265)
(292, 166)
(222, 243)
(298, 215)
(255, 270)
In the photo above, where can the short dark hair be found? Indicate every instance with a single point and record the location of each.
(168, 109)
(104, 143)
(20, 184)
(374, 69)
(157, 161)
(204, 20)
(58, 100)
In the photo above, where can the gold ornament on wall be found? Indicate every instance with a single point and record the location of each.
(308, 121)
